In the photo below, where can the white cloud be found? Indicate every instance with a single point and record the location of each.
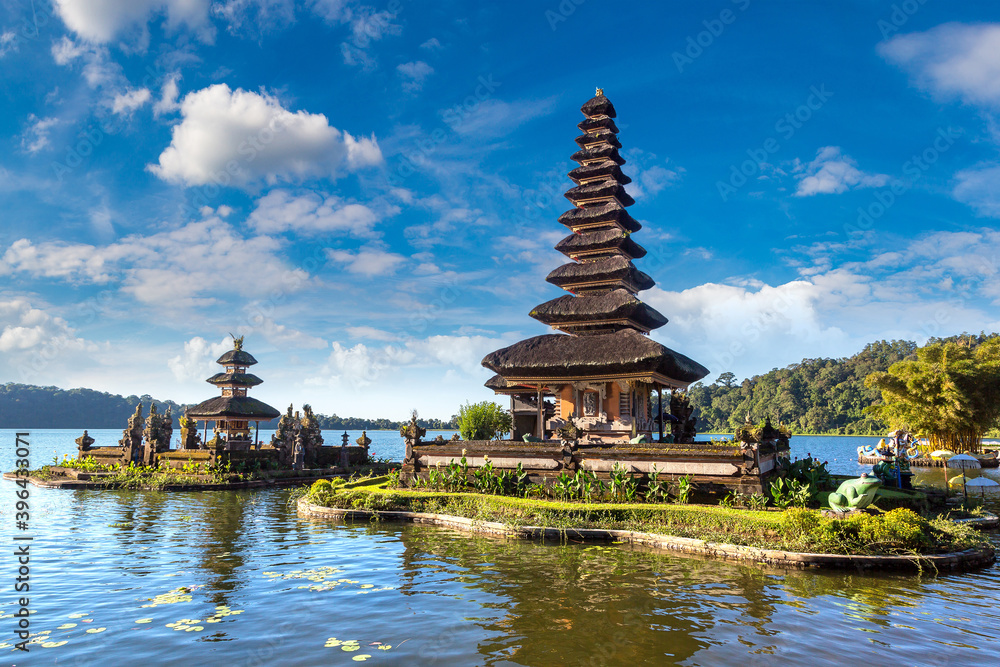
(491, 117)
(36, 137)
(129, 101)
(367, 261)
(168, 97)
(241, 137)
(432, 44)
(66, 50)
(979, 187)
(648, 175)
(255, 16)
(8, 42)
(371, 333)
(414, 74)
(952, 60)
(32, 340)
(833, 173)
(100, 21)
(194, 265)
(197, 362)
(280, 211)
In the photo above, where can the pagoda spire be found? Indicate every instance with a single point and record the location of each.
(601, 278)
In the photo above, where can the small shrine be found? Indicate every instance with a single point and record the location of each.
(233, 411)
(603, 368)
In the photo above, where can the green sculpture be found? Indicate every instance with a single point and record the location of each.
(854, 494)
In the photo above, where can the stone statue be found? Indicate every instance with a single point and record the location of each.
(190, 438)
(299, 456)
(412, 433)
(84, 443)
(854, 494)
(685, 428)
(131, 442)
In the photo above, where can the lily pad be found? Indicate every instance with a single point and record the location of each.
(66, 626)
(144, 620)
(77, 616)
(94, 631)
(361, 658)
(54, 644)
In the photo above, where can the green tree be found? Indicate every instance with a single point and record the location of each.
(950, 392)
(483, 421)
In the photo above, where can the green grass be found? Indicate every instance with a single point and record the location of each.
(899, 531)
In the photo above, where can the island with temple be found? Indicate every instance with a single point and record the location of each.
(591, 395)
(233, 457)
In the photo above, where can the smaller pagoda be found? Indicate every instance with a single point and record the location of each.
(234, 410)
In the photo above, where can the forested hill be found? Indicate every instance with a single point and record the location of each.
(29, 406)
(812, 396)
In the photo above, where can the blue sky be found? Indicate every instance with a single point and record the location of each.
(369, 192)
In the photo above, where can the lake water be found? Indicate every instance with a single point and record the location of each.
(257, 585)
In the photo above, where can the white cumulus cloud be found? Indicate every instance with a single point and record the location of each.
(100, 21)
(832, 172)
(367, 261)
(241, 138)
(129, 101)
(281, 211)
(414, 74)
(952, 60)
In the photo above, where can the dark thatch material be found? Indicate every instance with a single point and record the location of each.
(596, 169)
(589, 124)
(236, 379)
(597, 138)
(598, 106)
(599, 190)
(236, 358)
(610, 272)
(604, 240)
(496, 382)
(559, 356)
(600, 151)
(233, 407)
(605, 214)
(592, 310)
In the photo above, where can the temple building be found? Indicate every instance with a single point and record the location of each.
(602, 367)
(234, 410)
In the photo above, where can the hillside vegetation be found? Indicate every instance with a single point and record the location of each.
(813, 396)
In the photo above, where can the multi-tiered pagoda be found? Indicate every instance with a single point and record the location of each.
(603, 369)
(234, 410)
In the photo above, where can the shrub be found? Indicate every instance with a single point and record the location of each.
(483, 421)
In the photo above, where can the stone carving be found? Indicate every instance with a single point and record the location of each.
(131, 442)
(190, 438)
(84, 443)
(686, 426)
(412, 433)
(158, 431)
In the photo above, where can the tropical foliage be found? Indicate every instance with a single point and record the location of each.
(950, 392)
(483, 421)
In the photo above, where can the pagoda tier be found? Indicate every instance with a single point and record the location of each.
(602, 216)
(599, 170)
(600, 313)
(600, 275)
(234, 380)
(604, 243)
(558, 358)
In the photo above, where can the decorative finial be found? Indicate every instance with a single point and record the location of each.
(600, 92)
(237, 342)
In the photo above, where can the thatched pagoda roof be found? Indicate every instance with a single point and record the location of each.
(624, 353)
(233, 407)
(601, 136)
(597, 169)
(606, 215)
(602, 189)
(600, 241)
(236, 358)
(591, 312)
(598, 122)
(599, 105)
(235, 379)
(609, 272)
(598, 152)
